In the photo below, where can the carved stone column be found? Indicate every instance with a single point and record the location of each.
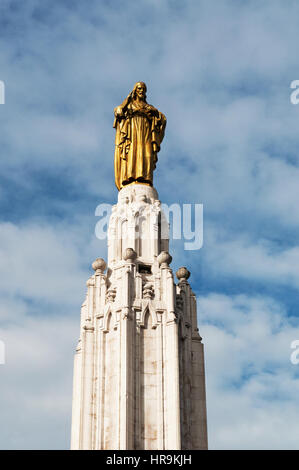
(139, 366)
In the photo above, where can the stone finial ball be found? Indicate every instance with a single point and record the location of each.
(164, 258)
(99, 265)
(183, 274)
(129, 254)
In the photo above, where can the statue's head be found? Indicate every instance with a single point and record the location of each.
(139, 90)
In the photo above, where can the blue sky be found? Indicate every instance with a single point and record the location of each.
(221, 74)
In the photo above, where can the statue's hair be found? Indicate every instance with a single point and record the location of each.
(135, 88)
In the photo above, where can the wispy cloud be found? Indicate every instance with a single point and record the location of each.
(222, 78)
(252, 385)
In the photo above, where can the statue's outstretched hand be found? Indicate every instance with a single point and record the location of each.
(118, 111)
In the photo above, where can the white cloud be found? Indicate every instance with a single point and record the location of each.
(252, 387)
(43, 270)
(40, 262)
(222, 78)
(240, 256)
(36, 382)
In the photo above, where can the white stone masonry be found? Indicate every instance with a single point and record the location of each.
(139, 379)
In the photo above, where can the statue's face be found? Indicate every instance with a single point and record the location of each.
(140, 91)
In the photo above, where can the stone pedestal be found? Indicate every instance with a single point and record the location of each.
(139, 380)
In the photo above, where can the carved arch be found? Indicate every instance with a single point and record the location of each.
(107, 320)
(148, 309)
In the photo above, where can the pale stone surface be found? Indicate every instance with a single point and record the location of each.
(139, 379)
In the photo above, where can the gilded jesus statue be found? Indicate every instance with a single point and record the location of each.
(139, 132)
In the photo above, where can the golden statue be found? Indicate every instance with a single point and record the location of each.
(139, 132)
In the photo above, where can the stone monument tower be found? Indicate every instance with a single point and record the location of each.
(139, 380)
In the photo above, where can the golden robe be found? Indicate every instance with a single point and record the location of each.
(139, 132)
